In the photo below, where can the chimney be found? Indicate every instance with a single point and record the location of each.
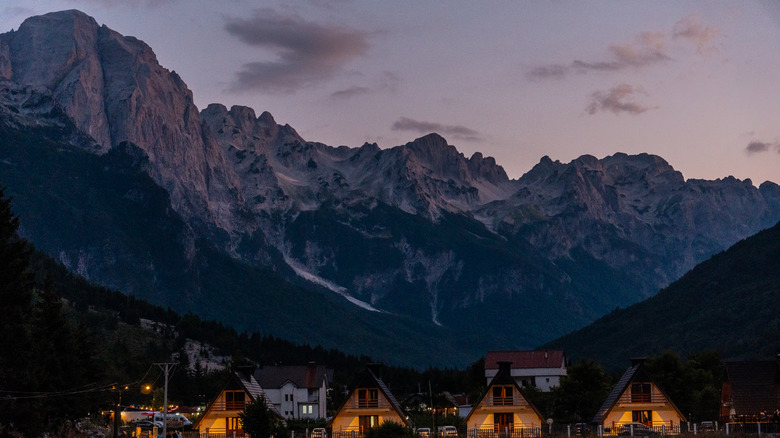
(376, 369)
(311, 375)
(245, 371)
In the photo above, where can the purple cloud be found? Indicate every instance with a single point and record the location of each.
(691, 28)
(387, 82)
(756, 146)
(647, 49)
(455, 131)
(617, 100)
(553, 71)
(307, 52)
(351, 92)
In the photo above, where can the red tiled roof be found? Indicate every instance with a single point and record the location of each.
(525, 359)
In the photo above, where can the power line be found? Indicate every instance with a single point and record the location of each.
(83, 389)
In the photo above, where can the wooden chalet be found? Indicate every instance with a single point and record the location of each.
(503, 410)
(369, 404)
(637, 399)
(221, 415)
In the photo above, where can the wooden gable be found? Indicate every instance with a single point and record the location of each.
(221, 415)
(503, 408)
(636, 398)
(370, 404)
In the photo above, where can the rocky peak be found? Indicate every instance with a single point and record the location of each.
(58, 51)
(445, 162)
(115, 91)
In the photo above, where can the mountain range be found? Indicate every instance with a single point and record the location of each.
(413, 254)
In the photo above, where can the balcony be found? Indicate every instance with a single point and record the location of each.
(629, 398)
(505, 401)
(222, 405)
(370, 403)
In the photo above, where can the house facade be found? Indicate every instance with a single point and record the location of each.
(222, 414)
(540, 369)
(751, 391)
(297, 391)
(503, 409)
(368, 405)
(637, 399)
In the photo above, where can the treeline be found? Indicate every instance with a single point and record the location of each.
(48, 371)
(69, 348)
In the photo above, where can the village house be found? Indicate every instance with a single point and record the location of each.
(503, 409)
(368, 405)
(751, 391)
(638, 403)
(297, 391)
(540, 369)
(222, 414)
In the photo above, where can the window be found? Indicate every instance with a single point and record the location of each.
(234, 400)
(644, 417)
(640, 392)
(502, 395)
(307, 409)
(366, 422)
(368, 398)
(233, 424)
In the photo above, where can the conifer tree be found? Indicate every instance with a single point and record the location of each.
(16, 310)
(43, 355)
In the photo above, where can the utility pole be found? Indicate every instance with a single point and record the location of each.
(166, 367)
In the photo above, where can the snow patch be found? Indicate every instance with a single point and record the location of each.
(303, 273)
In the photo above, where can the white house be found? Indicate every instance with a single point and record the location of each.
(542, 369)
(296, 391)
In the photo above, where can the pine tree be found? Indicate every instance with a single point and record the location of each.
(42, 352)
(16, 310)
(16, 307)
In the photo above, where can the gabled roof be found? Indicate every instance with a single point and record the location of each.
(459, 400)
(525, 359)
(636, 372)
(754, 386)
(245, 381)
(303, 376)
(369, 379)
(504, 378)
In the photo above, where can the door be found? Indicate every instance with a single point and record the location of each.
(367, 422)
(234, 425)
(503, 422)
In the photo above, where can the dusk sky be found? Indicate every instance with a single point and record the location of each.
(695, 82)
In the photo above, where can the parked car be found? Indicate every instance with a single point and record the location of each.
(147, 424)
(637, 429)
(424, 432)
(581, 429)
(448, 431)
(707, 426)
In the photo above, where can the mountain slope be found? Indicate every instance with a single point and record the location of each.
(236, 217)
(103, 217)
(727, 303)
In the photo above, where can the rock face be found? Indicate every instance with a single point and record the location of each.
(633, 212)
(115, 91)
(417, 230)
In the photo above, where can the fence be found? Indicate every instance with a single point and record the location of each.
(738, 430)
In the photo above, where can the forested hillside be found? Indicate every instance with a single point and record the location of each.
(728, 304)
